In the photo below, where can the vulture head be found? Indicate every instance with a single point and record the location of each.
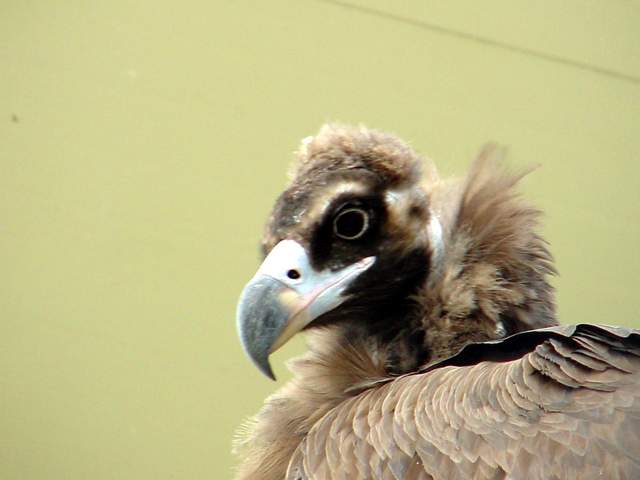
(368, 242)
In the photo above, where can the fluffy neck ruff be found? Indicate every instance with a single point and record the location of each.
(490, 280)
(493, 279)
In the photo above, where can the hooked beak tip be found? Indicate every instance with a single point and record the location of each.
(260, 319)
(268, 372)
(262, 363)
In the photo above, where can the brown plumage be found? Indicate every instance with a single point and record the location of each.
(433, 348)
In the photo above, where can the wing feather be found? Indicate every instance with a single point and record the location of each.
(561, 402)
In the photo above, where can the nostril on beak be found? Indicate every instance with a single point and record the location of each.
(293, 274)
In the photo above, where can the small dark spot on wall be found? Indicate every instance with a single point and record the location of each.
(15, 118)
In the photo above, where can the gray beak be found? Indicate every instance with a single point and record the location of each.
(284, 296)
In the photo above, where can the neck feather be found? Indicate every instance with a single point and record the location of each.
(337, 365)
(493, 279)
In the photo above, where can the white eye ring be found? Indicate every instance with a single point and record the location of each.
(364, 218)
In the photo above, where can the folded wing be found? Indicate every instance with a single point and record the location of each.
(561, 402)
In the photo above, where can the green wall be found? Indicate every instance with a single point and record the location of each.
(142, 144)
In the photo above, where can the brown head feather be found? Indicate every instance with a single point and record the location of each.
(342, 147)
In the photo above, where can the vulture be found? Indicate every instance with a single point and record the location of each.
(433, 348)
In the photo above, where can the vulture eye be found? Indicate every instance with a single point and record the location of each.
(351, 223)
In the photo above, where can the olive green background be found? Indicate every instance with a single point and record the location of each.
(143, 143)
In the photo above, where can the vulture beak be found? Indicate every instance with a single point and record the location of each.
(284, 296)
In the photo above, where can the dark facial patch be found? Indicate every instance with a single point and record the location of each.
(382, 298)
(328, 250)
